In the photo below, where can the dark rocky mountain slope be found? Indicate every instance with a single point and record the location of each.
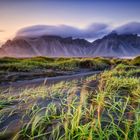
(112, 45)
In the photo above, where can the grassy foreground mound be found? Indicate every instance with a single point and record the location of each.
(19, 69)
(101, 107)
(44, 63)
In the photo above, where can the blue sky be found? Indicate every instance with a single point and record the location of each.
(16, 14)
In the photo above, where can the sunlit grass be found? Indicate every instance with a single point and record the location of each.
(102, 107)
(44, 63)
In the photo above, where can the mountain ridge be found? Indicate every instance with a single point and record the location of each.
(111, 45)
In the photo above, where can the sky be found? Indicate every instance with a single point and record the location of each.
(80, 16)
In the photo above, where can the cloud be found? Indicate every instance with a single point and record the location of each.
(96, 30)
(1, 31)
(93, 31)
(129, 28)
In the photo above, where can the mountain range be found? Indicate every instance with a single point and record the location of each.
(111, 45)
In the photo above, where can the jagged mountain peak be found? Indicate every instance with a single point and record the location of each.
(111, 45)
(115, 35)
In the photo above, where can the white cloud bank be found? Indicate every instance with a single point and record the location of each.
(93, 31)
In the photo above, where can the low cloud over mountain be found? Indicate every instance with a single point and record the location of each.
(129, 28)
(93, 31)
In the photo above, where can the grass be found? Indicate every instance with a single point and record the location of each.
(136, 61)
(44, 63)
(122, 70)
(101, 107)
(16, 69)
(4, 104)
